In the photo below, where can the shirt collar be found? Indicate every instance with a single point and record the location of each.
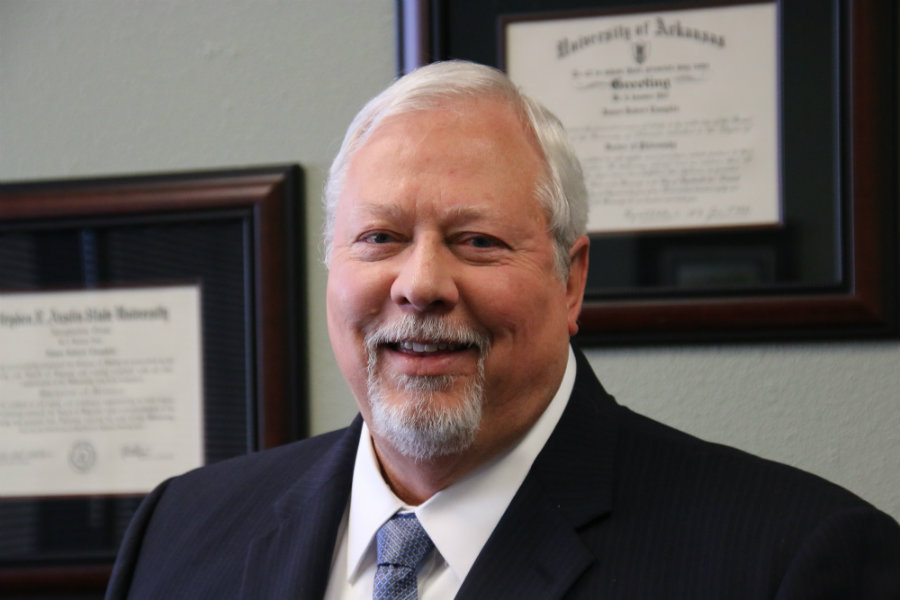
(460, 518)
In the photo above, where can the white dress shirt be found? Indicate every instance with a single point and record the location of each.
(458, 519)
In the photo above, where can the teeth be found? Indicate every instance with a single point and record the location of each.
(417, 347)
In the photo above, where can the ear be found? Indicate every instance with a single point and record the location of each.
(578, 269)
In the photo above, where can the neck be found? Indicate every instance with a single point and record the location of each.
(412, 481)
(415, 481)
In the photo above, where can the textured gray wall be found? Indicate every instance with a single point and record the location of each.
(99, 87)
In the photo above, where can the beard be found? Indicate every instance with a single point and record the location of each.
(418, 425)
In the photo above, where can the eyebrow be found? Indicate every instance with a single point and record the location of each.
(383, 211)
(389, 212)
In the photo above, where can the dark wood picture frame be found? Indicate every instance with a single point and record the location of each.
(860, 75)
(239, 234)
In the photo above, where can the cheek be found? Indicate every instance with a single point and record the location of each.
(350, 304)
(354, 296)
(345, 306)
(512, 306)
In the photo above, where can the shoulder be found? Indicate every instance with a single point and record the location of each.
(720, 473)
(269, 464)
(249, 482)
(194, 529)
(708, 515)
(763, 525)
(650, 453)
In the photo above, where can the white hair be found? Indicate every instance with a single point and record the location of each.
(561, 190)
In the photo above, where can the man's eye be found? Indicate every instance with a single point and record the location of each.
(483, 241)
(379, 237)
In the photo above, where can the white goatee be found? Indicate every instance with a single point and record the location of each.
(418, 425)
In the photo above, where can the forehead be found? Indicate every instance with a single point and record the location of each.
(478, 150)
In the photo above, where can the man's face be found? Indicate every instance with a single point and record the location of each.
(442, 259)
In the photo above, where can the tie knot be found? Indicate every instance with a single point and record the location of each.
(403, 542)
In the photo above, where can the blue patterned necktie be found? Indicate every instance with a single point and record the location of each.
(402, 544)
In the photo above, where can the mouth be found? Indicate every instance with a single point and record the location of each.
(427, 347)
(428, 358)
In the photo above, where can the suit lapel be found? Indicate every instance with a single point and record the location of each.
(293, 559)
(536, 550)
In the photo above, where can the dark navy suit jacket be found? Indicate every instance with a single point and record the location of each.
(615, 506)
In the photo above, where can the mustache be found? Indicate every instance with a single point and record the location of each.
(430, 329)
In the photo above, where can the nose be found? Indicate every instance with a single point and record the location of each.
(425, 281)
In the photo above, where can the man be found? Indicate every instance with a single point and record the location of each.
(457, 263)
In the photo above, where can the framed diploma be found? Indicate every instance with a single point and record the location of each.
(148, 325)
(739, 155)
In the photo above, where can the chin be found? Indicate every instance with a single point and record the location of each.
(426, 419)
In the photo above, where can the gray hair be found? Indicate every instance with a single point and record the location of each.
(561, 190)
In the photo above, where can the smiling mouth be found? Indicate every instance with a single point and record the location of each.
(425, 337)
(428, 347)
